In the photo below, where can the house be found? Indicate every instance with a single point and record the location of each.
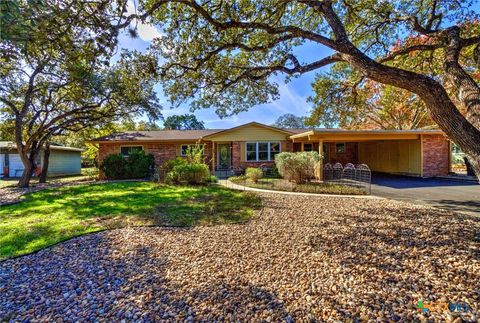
(62, 161)
(423, 153)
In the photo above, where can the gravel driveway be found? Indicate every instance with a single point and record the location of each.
(301, 258)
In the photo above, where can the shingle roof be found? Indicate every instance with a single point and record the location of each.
(158, 135)
(12, 145)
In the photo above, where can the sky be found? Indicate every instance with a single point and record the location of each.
(293, 95)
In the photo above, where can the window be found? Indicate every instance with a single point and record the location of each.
(340, 148)
(307, 147)
(128, 150)
(262, 151)
(251, 151)
(274, 149)
(184, 149)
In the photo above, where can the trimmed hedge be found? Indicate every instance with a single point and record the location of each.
(137, 165)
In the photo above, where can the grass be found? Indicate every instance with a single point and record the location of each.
(86, 174)
(279, 184)
(50, 216)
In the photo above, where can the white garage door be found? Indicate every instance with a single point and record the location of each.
(15, 165)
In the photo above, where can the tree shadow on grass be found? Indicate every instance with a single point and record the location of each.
(100, 277)
(72, 211)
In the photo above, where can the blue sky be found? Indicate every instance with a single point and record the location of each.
(293, 95)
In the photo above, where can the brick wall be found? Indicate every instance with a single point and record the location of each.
(436, 152)
(161, 151)
(350, 155)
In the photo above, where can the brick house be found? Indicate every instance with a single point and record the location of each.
(424, 153)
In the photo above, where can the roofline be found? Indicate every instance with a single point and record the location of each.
(141, 141)
(249, 124)
(369, 132)
(52, 147)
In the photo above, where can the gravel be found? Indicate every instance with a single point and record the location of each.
(299, 259)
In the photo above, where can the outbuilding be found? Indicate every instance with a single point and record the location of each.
(63, 160)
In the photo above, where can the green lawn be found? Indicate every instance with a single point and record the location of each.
(279, 184)
(87, 174)
(50, 216)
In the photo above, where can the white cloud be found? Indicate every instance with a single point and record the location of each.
(146, 31)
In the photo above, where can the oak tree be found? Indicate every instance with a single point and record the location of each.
(223, 54)
(183, 122)
(56, 76)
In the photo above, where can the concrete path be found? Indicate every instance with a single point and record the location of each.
(446, 194)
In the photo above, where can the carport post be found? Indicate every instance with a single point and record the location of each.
(320, 152)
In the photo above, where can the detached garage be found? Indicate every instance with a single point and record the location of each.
(63, 160)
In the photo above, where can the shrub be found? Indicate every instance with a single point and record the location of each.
(253, 174)
(297, 167)
(139, 165)
(189, 173)
(194, 154)
(135, 166)
(168, 165)
(113, 166)
(239, 178)
(211, 179)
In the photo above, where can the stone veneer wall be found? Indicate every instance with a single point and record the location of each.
(436, 152)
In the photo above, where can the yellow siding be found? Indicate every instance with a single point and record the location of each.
(392, 156)
(250, 133)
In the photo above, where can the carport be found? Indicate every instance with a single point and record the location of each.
(424, 153)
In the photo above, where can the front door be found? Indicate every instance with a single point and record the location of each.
(223, 156)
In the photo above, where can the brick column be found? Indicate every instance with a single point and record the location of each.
(435, 153)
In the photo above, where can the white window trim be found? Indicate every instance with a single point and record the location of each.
(256, 150)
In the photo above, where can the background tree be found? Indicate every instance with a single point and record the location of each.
(56, 77)
(222, 54)
(183, 122)
(340, 101)
(291, 121)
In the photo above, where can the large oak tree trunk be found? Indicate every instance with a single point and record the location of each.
(46, 159)
(29, 166)
(441, 107)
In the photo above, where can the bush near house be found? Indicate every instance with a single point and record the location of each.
(194, 174)
(297, 167)
(137, 165)
(253, 174)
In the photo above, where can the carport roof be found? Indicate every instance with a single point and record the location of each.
(331, 134)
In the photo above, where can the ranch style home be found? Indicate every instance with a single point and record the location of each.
(424, 153)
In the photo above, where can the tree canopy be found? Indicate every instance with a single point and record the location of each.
(56, 75)
(224, 54)
(290, 121)
(183, 122)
